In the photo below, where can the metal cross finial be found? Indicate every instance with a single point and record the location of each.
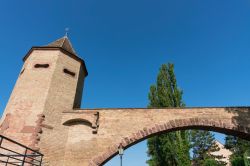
(66, 32)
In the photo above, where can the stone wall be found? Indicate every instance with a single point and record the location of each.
(92, 137)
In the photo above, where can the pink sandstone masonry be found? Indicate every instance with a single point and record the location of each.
(43, 113)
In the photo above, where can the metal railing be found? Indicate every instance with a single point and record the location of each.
(14, 153)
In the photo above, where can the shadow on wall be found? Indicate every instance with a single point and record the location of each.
(77, 122)
(241, 120)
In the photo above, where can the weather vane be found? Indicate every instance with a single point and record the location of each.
(66, 32)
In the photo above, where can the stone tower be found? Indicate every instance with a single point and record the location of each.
(50, 82)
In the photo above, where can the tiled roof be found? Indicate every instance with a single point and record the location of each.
(63, 43)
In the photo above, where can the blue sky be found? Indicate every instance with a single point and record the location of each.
(125, 42)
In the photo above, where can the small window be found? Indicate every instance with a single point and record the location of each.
(41, 65)
(69, 72)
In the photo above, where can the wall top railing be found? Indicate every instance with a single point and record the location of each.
(14, 153)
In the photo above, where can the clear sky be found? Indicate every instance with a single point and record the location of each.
(125, 42)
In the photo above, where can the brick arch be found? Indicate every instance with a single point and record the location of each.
(76, 121)
(229, 128)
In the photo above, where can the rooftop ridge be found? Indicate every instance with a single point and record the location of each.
(64, 37)
(63, 43)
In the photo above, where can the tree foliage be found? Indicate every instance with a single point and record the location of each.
(247, 157)
(203, 144)
(240, 149)
(237, 161)
(171, 148)
(211, 162)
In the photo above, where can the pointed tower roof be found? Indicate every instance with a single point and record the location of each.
(63, 43)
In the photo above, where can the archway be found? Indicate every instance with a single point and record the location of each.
(169, 126)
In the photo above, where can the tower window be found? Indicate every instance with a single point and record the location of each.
(22, 71)
(69, 72)
(41, 65)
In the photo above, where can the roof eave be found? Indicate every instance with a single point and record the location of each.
(62, 50)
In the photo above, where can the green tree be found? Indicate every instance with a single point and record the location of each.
(170, 149)
(240, 148)
(230, 142)
(203, 144)
(247, 158)
(211, 162)
(237, 161)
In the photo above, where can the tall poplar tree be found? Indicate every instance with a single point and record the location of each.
(170, 149)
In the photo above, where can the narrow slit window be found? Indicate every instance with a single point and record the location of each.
(22, 71)
(41, 65)
(69, 72)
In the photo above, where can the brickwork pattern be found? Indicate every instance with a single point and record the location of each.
(130, 126)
